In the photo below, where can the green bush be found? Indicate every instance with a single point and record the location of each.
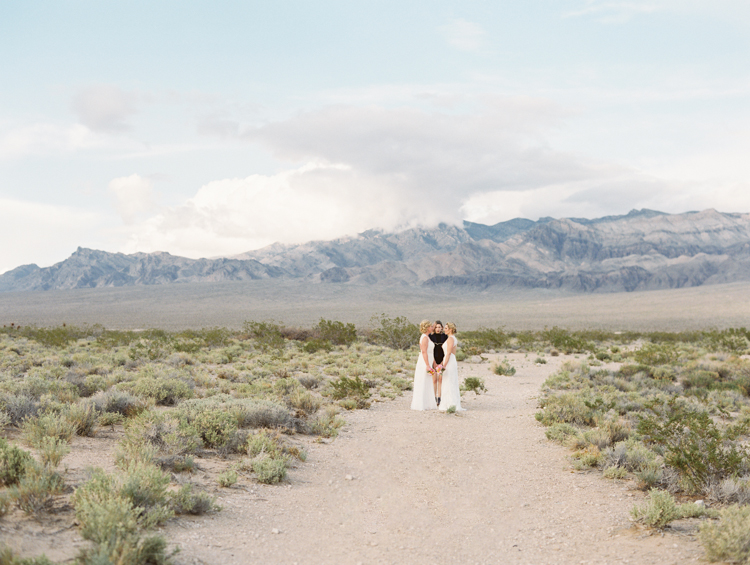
(227, 478)
(266, 335)
(145, 486)
(396, 333)
(314, 345)
(52, 451)
(84, 417)
(652, 354)
(729, 538)
(560, 432)
(486, 338)
(13, 463)
(35, 490)
(215, 427)
(119, 402)
(566, 407)
(269, 470)
(127, 550)
(189, 501)
(164, 391)
(335, 332)
(475, 384)
(7, 557)
(37, 429)
(504, 368)
(657, 511)
(693, 444)
(346, 387)
(327, 423)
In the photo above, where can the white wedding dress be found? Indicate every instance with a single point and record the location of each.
(450, 390)
(424, 393)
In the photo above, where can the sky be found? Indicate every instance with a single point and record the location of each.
(213, 128)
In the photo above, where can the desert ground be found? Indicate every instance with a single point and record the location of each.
(398, 486)
(229, 304)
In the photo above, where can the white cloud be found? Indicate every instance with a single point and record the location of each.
(44, 139)
(42, 233)
(608, 11)
(132, 195)
(104, 107)
(464, 35)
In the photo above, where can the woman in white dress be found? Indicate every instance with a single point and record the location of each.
(424, 393)
(451, 393)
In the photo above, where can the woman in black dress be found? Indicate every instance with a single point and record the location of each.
(438, 338)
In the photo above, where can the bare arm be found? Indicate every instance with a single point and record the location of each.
(450, 349)
(423, 348)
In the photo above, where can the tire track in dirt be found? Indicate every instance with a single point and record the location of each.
(484, 486)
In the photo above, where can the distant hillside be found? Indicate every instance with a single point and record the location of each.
(642, 250)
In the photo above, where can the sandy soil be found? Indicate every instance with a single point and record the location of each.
(399, 486)
(229, 304)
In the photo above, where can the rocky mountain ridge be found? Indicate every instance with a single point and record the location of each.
(642, 250)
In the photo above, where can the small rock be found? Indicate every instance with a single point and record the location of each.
(475, 359)
(349, 478)
(700, 503)
(275, 531)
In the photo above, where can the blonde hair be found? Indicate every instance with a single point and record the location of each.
(424, 325)
(450, 326)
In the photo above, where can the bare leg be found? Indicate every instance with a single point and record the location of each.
(439, 386)
(435, 384)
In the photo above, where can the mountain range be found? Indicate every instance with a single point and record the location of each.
(641, 250)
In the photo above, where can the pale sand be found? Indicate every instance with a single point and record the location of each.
(230, 304)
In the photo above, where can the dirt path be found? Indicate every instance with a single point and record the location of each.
(399, 486)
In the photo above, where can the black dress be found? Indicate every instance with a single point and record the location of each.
(439, 340)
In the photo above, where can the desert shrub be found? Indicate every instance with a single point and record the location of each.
(314, 345)
(36, 429)
(305, 402)
(7, 557)
(5, 503)
(729, 538)
(52, 451)
(336, 332)
(348, 404)
(540, 361)
(693, 444)
(145, 486)
(214, 427)
(155, 436)
(731, 490)
(131, 549)
(649, 476)
(504, 368)
(84, 417)
(566, 407)
(119, 402)
(560, 432)
(562, 339)
(190, 501)
(164, 391)
(227, 478)
(656, 354)
(461, 355)
(475, 384)
(486, 338)
(346, 387)
(658, 510)
(13, 463)
(35, 490)
(309, 381)
(396, 333)
(326, 423)
(269, 470)
(19, 407)
(451, 409)
(615, 473)
(101, 511)
(248, 412)
(176, 463)
(266, 335)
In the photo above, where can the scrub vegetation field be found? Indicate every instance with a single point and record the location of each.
(173, 417)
